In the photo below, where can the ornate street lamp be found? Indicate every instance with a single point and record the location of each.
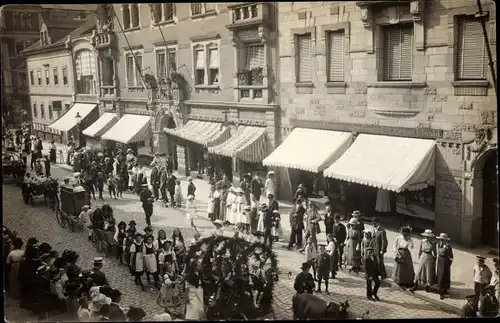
(78, 120)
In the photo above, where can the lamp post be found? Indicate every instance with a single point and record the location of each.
(78, 119)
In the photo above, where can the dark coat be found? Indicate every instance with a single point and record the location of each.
(155, 177)
(371, 268)
(339, 232)
(256, 185)
(297, 219)
(163, 180)
(171, 183)
(269, 216)
(98, 277)
(304, 283)
(468, 311)
(115, 313)
(191, 189)
(299, 191)
(145, 196)
(488, 306)
(169, 165)
(379, 241)
(323, 265)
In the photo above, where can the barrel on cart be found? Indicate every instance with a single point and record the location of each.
(71, 202)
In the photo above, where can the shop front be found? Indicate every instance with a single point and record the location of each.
(94, 132)
(130, 131)
(388, 176)
(195, 137)
(305, 153)
(77, 118)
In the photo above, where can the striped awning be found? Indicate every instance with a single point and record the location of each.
(201, 132)
(67, 121)
(103, 124)
(130, 128)
(248, 144)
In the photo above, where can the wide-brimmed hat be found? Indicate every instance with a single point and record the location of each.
(132, 222)
(479, 257)
(97, 261)
(218, 222)
(356, 213)
(428, 233)
(239, 190)
(247, 208)
(130, 150)
(85, 207)
(405, 229)
(189, 179)
(98, 301)
(353, 221)
(305, 265)
(443, 236)
(76, 174)
(271, 172)
(300, 185)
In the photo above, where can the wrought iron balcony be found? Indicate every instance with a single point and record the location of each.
(104, 39)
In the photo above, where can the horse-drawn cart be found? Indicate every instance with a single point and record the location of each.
(227, 279)
(35, 187)
(71, 201)
(13, 165)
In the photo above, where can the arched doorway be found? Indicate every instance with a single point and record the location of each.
(171, 144)
(486, 172)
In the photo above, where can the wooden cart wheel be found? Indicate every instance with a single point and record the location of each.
(60, 218)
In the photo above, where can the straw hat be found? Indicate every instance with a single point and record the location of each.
(271, 172)
(239, 190)
(353, 221)
(428, 233)
(190, 197)
(356, 213)
(443, 236)
(85, 207)
(218, 222)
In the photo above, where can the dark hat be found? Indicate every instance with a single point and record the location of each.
(122, 223)
(148, 228)
(305, 265)
(480, 257)
(375, 220)
(369, 248)
(489, 288)
(136, 313)
(132, 222)
(114, 293)
(472, 296)
(138, 234)
(32, 241)
(405, 230)
(337, 216)
(97, 261)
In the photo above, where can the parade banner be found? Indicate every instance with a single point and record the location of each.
(173, 294)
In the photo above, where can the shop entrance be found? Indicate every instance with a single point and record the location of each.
(171, 144)
(489, 232)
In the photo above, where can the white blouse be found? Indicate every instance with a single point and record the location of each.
(402, 243)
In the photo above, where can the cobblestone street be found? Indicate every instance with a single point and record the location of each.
(41, 223)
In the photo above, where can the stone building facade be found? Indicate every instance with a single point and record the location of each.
(438, 91)
(202, 45)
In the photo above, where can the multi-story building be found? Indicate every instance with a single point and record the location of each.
(19, 29)
(62, 69)
(201, 73)
(393, 102)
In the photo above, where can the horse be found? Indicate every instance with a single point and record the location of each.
(310, 307)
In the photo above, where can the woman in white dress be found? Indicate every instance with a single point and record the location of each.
(269, 184)
(229, 205)
(211, 203)
(14, 259)
(260, 223)
(239, 205)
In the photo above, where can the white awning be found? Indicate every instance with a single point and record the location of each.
(204, 133)
(311, 150)
(248, 144)
(103, 124)
(67, 121)
(130, 128)
(390, 163)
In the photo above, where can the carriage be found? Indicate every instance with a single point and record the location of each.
(13, 165)
(71, 201)
(36, 187)
(237, 279)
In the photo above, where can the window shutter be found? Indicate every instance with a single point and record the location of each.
(160, 64)
(214, 58)
(135, 15)
(336, 56)
(156, 7)
(305, 58)
(130, 70)
(126, 16)
(255, 56)
(138, 70)
(398, 53)
(195, 8)
(200, 59)
(471, 60)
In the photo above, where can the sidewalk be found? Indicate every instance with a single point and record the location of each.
(464, 259)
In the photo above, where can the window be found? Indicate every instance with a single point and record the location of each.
(32, 78)
(42, 111)
(172, 60)
(85, 72)
(56, 76)
(199, 75)
(201, 8)
(35, 113)
(50, 112)
(335, 56)
(130, 16)
(39, 76)
(398, 49)
(163, 12)
(26, 21)
(66, 107)
(254, 56)
(47, 76)
(23, 80)
(44, 38)
(213, 66)
(472, 62)
(246, 12)
(134, 69)
(108, 71)
(304, 58)
(65, 75)
(161, 64)
(19, 47)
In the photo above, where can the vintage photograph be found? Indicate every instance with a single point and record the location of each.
(249, 161)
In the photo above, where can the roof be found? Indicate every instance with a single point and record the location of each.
(89, 7)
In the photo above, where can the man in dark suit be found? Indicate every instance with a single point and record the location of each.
(304, 281)
(339, 236)
(169, 165)
(379, 246)
(163, 184)
(323, 268)
(96, 274)
(371, 275)
(171, 185)
(269, 215)
(488, 303)
(297, 225)
(470, 308)
(155, 181)
(146, 198)
(256, 185)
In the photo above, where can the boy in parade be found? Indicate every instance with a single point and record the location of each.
(323, 268)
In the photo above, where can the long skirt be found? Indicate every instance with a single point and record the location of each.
(150, 263)
(53, 156)
(14, 287)
(195, 309)
(426, 273)
(216, 208)
(353, 256)
(443, 273)
(223, 210)
(403, 273)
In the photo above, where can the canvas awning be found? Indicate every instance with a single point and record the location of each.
(103, 124)
(390, 163)
(248, 144)
(204, 133)
(311, 150)
(130, 128)
(67, 121)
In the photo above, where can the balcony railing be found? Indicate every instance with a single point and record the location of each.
(104, 39)
(108, 91)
